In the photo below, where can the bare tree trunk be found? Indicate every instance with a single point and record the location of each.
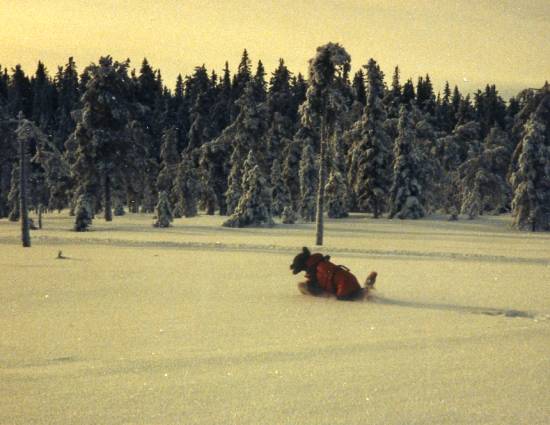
(108, 210)
(321, 189)
(25, 231)
(40, 216)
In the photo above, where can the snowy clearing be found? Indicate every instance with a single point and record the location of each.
(201, 324)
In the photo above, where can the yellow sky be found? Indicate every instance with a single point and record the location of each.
(468, 42)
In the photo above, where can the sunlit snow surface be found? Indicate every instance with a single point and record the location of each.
(200, 324)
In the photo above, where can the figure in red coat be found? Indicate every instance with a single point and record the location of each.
(325, 277)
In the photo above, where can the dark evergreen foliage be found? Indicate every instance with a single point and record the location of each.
(113, 141)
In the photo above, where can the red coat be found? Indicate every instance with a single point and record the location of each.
(331, 278)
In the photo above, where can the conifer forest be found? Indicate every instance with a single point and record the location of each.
(255, 145)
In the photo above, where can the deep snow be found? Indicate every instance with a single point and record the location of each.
(200, 324)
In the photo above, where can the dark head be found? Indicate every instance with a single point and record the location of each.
(299, 263)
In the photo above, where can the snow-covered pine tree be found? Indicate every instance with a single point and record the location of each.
(138, 162)
(169, 164)
(66, 84)
(308, 184)
(254, 207)
(531, 176)
(408, 95)
(220, 112)
(56, 173)
(259, 84)
(425, 98)
(44, 99)
(101, 134)
(497, 153)
(200, 131)
(483, 185)
(431, 176)
(281, 114)
(213, 178)
(240, 80)
(280, 194)
(186, 188)
(453, 151)
(84, 212)
(19, 93)
(291, 163)
(406, 192)
(234, 181)
(336, 195)
(247, 136)
(444, 113)
(336, 189)
(359, 97)
(325, 103)
(392, 99)
(149, 190)
(370, 152)
(163, 211)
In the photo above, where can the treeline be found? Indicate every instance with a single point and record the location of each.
(250, 146)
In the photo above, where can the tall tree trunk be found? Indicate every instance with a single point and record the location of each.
(108, 210)
(24, 212)
(321, 189)
(40, 216)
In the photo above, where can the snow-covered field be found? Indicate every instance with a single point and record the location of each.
(199, 324)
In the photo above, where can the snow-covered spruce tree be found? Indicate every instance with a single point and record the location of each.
(280, 194)
(66, 82)
(497, 153)
(392, 99)
(56, 173)
(247, 131)
(84, 212)
(169, 164)
(406, 192)
(324, 105)
(137, 160)
(281, 113)
(278, 138)
(483, 185)
(336, 195)
(336, 189)
(201, 125)
(452, 152)
(370, 152)
(101, 134)
(163, 211)
(240, 80)
(149, 191)
(234, 181)
(291, 163)
(213, 180)
(254, 207)
(251, 126)
(359, 93)
(432, 175)
(308, 184)
(531, 176)
(187, 188)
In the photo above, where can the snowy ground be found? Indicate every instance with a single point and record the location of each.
(200, 324)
